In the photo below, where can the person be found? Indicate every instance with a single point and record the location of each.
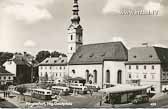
(4, 94)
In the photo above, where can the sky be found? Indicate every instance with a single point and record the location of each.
(34, 25)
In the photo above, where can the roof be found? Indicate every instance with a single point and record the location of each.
(124, 88)
(76, 79)
(4, 72)
(148, 55)
(54, 61)
(96, 53)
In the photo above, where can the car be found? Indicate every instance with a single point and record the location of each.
(140, 99)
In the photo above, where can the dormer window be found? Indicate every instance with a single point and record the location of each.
(47, 61)
(55, 61)
(91, 55)
(73, 71)
(80, 56)
(103, 54)
(150, 56)
(135, 56)
(62, 61)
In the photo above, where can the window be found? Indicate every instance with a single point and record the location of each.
(41, 67)
(164, 76)
(119, 77)
(50, 67)
(137, 67)
(71, 48)
(71, 37)
(4, 77)
(87, 75)
(56, 74)
(145, 67)
(137, 76)
(60, 67)
(73, 71)
(0, 78)
(129, 76)
(107, 76)
(60, 74)
(152, 89)
(95, 76)
(9, 77)
(64, 67)
(129, 67)
(145, 76)
(153, 67)
(45, 67)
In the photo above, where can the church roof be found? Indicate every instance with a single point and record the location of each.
(96, 53)
(51, 61)
(148, 55)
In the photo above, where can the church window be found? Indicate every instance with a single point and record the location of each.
(71, 37)
(87, 75)
(108, 76)
(95, 76)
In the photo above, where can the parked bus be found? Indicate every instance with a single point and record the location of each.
(78, 87)
(42, 94)
(93, 87)
(56, 90)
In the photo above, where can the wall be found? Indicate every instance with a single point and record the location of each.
(10, 66)
(114, 67)
(80, 71)
(54, 72)
(153, 76)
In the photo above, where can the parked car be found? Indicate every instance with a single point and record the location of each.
(140, 99)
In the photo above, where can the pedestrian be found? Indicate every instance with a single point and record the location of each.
(4, 94)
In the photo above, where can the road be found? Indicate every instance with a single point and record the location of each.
(6, 104)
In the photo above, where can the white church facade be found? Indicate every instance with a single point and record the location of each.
(102, 64)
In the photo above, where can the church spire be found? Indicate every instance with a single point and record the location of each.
(75, 19)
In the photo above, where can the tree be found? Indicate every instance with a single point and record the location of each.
(42, 55)
(57, 54)
(22, 90)
(4, 56)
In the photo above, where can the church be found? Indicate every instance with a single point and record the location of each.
(102, 64)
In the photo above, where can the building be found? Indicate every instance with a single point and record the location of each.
(21, 69)
(5, 77)
(149, 66)
(101, 64)
(53, 69)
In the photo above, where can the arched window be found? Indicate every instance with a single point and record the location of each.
(95, 76)
(119, 76)
(87, 75)
(107, 76)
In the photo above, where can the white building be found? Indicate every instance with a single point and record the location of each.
(5, 77)
(53, 69)
(101, 63)
(150, 66)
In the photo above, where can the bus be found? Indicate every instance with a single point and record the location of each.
(42, 94)
(78, 87)
(56, 90)
(93, 87)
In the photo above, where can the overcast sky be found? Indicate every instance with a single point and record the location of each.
(34, 25)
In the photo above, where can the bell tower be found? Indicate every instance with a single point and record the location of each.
(75, 31)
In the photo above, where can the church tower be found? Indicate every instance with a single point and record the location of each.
(75, 31)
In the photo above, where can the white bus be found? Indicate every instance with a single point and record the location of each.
(78, 87)
(42, 94)
(60, 90)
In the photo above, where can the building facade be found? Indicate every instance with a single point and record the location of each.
(21, 69)
(5, 77)
(149, 65)
(100, 64)
(53, 69)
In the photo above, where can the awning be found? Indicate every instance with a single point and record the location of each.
(124, 88)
